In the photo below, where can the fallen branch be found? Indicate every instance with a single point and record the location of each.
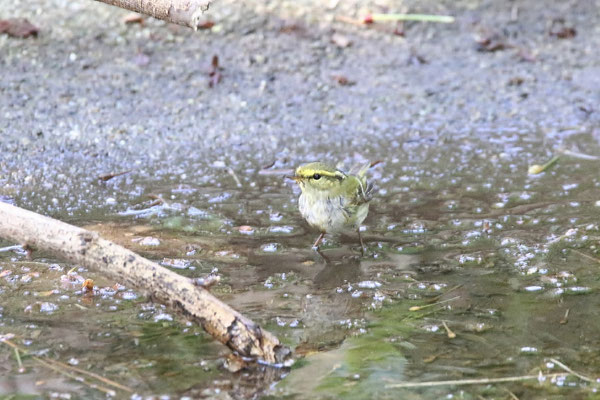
(181, 12)
(87, 248)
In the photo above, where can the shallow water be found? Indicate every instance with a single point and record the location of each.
(512, 259)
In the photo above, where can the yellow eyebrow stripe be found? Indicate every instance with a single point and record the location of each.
(308, 173)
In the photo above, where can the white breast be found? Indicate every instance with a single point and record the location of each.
(327, 214)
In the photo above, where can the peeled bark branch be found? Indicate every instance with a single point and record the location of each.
(87, 248)
(181, 12)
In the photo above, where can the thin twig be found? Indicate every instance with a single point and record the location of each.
(29, 263)
(108, 391)
(451, 335)
(349, 20)
(19, 362)
(567, 234)
(417, 308)
(108, 177)
(582, 254)
(511, 394)
(482, 381)
(485, 381)
(576, 154)
(235, 177)
(93, 375)
(569, 370)
(276, 171)
(447, 19)
(452, 289)
(11, 248)
(57, 365)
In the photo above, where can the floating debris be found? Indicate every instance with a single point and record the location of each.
(88, 285)
(148, 241)
(178, 263)
(538, 169)
(246, 230)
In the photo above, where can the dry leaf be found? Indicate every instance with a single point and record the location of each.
(342, 80)
(208, 281)
(18, 27)
(246, 230)
(492, 42)
(293, 27)
(515, 81)
(4, 273)
(108, 177)
(560, 29)
(88, 285)
(206, 25)
(214, 72)
(134, 18)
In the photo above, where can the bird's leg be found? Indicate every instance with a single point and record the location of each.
(316, 247)
(362, 245)
(318, 241)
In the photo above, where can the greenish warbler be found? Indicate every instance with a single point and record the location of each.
(331, 200)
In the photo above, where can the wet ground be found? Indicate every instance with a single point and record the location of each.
(506, 262)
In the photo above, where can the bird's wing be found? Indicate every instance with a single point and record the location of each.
(361, 190)
(368, 195)
(364, 190)
(360, 170)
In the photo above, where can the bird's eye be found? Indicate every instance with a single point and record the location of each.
(316, 177)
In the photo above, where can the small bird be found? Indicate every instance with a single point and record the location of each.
(331, 200)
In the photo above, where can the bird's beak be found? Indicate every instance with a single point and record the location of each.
(295, 177)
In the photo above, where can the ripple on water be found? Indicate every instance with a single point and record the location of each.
(369, 284)
(47, 307)
(281, 229)
(177, 263)
(533, 288)
(270, 247)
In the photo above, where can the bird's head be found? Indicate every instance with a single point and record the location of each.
(318, 176)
